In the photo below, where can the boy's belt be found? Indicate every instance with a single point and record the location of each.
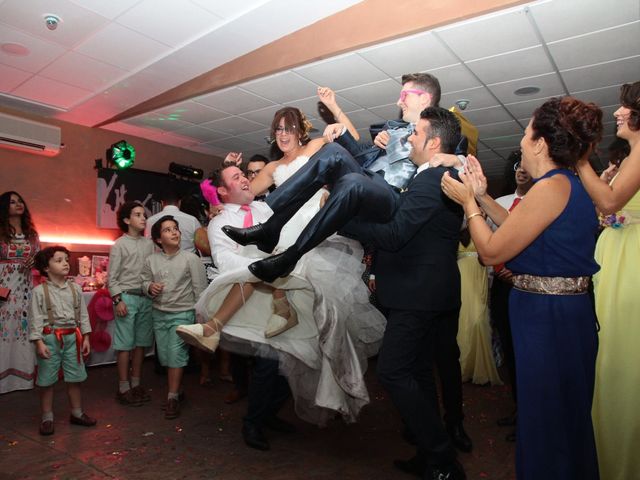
(60, 332)
(136, 291)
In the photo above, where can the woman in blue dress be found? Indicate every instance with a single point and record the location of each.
(548, 243)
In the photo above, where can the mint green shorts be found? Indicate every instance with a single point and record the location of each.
(136, 328)
(65, 358)
(171, 349)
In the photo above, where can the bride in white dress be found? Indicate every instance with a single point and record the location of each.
(325, 356)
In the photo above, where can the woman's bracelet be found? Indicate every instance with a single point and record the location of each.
(477, 214)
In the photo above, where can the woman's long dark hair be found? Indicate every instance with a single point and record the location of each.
(6, 229)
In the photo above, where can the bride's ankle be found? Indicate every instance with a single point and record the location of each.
(212, 327)
(281, 307)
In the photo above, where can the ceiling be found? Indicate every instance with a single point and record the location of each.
(107, 57)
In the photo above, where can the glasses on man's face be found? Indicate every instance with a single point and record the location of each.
(415, 91)
(285, 130)
(253, 173)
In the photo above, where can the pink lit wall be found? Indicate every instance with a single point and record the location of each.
(61, 191)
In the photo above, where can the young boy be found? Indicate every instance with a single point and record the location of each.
(133, 332)
(60, 329)
(175, 279)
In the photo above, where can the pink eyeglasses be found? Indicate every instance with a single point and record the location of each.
(404, 93)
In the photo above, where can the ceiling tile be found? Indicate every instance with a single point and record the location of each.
(602, 46)
(233, 144)
(229, 10)
(257, 137)
(200, 133)
(403, 56)
(487, 115)
(158, 122)
(567, 18)
(82, 71)
(192, 112)
(263, 116)
(234, 125)
(600, 96)
(11, 77)
(364, 118)
(113, 45)
(77, 23)
(501, 129)
(478, 98)
(548, 84)
(110, 9)
(282, 87)
(41, 52)
(373, 94)
(388, 112)
(511, 66)
(186, 20)
(602, 75)
(524, 110)
(309, 106)
(234, 101)
(454, 78)
(331, 72)
(507, 141)
(51, 92)
(493, 30)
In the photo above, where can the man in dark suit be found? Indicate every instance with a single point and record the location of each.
(418, 278)
(419, 282)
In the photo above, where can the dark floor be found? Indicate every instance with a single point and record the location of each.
(205, 442)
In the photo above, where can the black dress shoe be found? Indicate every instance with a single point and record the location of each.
(254, 437)
(459, 437)
(414, 466)
(271, 268)
(453, 471)
(255, 235)
(278, 425)
(508, 421)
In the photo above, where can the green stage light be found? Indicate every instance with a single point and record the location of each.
(121, 154)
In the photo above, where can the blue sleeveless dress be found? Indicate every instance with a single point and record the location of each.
(555, 342)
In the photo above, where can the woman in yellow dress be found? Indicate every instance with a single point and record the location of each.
(617, 387)
(474, 331)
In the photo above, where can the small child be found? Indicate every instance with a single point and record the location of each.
(175, 279)
(133, 330)
(60, 331)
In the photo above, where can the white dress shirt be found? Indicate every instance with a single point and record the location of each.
(227, 254)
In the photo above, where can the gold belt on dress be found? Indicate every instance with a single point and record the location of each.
(551, 285)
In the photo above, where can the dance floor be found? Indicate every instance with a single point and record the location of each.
(205, 441)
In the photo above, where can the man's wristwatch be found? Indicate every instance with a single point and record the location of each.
(116, 300)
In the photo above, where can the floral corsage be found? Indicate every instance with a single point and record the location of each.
(614, 220)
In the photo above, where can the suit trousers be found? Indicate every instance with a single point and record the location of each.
(405, 369)
(267, 391)
(354, 191)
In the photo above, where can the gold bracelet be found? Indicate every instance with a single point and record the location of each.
(473, 215)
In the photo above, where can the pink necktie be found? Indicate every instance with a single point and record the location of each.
(248, 217)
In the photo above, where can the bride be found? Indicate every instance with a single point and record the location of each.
(324, 357)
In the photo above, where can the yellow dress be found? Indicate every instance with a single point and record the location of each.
(617, 388)
(474, 331)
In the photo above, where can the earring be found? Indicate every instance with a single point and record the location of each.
(299, 143)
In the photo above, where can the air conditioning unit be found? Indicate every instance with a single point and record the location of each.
(28, 136)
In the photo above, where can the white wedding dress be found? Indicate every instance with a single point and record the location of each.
(325, 356)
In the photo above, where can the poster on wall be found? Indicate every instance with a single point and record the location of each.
(116, 187)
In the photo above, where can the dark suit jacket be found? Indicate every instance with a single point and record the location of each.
(416, 263)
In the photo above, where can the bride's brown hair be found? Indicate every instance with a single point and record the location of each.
(295, 120)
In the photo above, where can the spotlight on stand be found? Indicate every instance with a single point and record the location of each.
(186, 171)
(121, 154)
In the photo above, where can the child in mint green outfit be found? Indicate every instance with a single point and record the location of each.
(60, 329)
(175, 279)
(133, 329)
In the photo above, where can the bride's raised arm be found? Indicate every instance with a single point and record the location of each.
(264, 180)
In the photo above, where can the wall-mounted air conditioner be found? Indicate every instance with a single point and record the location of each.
(28, 136)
